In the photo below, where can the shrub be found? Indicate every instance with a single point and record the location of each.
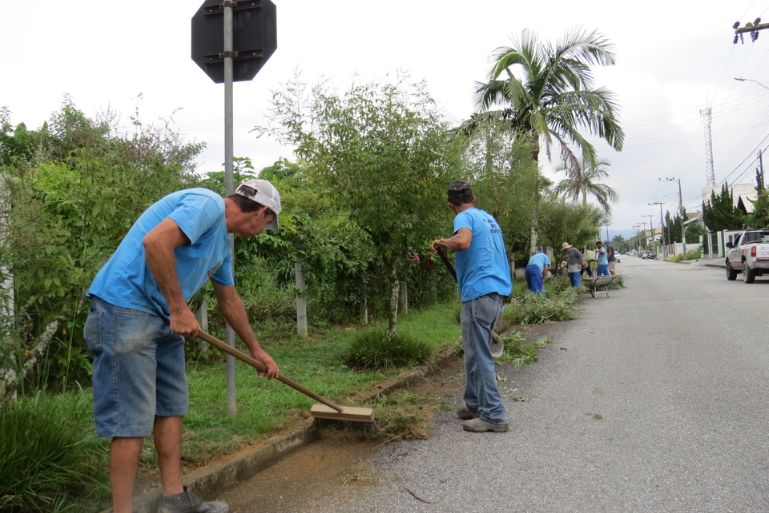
(694, 254)
(45, 459)
(372, 349)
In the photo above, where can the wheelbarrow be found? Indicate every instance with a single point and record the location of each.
(597, 283)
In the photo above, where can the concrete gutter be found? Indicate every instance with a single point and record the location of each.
(224, 473)
(712, 262)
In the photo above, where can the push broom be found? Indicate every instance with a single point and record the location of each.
(325, 410)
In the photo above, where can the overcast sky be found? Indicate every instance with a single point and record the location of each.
(674, 58)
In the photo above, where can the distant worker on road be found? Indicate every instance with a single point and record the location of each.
(603, 259)
(483, 274)
(536, 271)
(573, 263)
(612, 258)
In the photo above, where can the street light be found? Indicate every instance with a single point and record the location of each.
(741, 79)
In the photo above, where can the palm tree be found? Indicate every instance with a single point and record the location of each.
(553, 98)
(585, 181)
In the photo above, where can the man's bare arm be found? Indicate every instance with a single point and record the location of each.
(159, 246)
(458, 242)
(235, 313)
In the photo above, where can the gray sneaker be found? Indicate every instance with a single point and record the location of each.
(464, 412)
(188, 502)
(481, 426)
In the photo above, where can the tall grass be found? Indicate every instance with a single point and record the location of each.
(46, 458)
(373, 350)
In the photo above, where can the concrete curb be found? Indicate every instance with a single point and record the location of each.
(218, 476)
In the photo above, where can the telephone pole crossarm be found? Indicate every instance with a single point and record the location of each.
(751, 28)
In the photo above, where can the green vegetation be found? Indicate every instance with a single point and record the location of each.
(719, 213)
(556, 304)
(520, 351)
(48, 457)
(374, 349)
(546, 93)
(583, 181)
(691, 255)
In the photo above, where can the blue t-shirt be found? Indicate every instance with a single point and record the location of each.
(126, 280)
(540, 260)
(603, 258)
(483, 267)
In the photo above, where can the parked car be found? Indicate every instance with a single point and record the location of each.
(747, 253)
(616, 256)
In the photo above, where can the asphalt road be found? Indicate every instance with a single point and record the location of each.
(654, 400)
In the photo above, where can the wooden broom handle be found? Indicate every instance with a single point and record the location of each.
(261, 368)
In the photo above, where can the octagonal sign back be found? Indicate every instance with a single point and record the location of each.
(254, 38)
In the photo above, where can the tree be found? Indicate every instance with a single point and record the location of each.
(503, 176)
(584, 180)
(719, 213)
(73, 194)
(554, 98)
(383, 151)
(563, 221)
(620, 243)
(759, 218)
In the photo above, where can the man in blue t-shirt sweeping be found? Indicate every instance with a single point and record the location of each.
(139, 317)
(483, 274)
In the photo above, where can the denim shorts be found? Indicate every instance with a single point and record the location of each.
(138, 370)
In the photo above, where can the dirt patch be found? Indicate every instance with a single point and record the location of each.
(328, 466)
(338, 464)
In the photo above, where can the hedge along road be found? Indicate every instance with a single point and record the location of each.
(655, 400)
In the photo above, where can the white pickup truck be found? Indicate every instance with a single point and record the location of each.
(748, 253)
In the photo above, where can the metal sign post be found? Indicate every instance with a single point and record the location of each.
(232, 406)
(234, 48)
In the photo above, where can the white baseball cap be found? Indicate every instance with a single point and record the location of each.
(264, 193)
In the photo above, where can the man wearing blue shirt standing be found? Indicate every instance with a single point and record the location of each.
(139, 317)
(483, 274)
(538, 266)
(603, 259)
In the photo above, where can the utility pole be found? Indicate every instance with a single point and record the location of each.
(638, 237)
(651, 229)
(662, 226)
(681, 209)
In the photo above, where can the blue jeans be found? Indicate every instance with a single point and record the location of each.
(603, 270)
(574, 279)
(138, 370)
(479, 317)
(533, 278)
